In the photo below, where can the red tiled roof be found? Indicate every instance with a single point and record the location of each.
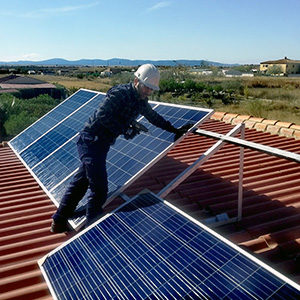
(25, 212)
(270, 227)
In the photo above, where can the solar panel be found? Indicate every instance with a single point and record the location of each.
(45, 123)
(148, 249)
(48, 147)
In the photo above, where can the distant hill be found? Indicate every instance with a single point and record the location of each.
(113, 62)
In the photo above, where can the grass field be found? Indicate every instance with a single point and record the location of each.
(71, 83)
(267, 97)
(270, 98)
(276, 98)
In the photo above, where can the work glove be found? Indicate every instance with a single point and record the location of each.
(179, 132)
(134, 129)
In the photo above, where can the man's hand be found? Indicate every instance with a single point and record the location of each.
(134, 129)
(139, 126)
(179, 132)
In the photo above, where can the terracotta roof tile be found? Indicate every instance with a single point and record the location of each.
(229, 117)
(260, 126)
(284, 124)
(218, 115)
(288, 132)
(271, 205)
(270, 122)
(256, 120)
(273, 129)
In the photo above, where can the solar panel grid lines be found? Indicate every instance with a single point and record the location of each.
(167, 271)
(59, 134)
(261, 272)
(148, 249)
(181, 258)
(45, 123)
(132, 275)
(128, 294)
(163, 271)
(62, 162)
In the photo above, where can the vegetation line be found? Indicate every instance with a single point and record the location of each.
(259, 96)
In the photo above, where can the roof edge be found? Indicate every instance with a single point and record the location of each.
(275, 127)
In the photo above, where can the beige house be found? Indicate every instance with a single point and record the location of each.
(287, 66)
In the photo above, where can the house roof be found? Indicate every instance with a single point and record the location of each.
(271, 206)
(16, 79)
(22, 82)
(281, 61)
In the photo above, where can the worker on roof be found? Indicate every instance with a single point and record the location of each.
(116, 116)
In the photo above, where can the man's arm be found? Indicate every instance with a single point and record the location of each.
(156, 119)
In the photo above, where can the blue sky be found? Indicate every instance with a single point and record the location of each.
(228, 31)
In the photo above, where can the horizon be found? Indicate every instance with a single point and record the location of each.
(113, 58)
(150, 30)
(135, 59)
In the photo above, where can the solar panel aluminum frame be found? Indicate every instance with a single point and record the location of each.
(201, 225)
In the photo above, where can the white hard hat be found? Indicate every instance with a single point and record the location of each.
(148, 74)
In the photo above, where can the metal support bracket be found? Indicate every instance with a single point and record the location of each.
(201, 160)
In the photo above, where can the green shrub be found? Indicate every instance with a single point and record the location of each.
(200, 86)
(232, 85)
(17, 114)
(255, 108)
(122, 78)
(16, 123)
(72, 90)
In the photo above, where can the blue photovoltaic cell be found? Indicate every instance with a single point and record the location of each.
(60, 134)
(57, 166)
(146, 250)
(34, 131)
(52, 155)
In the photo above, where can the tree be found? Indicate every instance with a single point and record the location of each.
(274, 70)
(2, 121)
(6, 103)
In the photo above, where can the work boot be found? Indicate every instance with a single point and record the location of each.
(59, 227)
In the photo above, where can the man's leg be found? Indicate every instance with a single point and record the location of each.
(95, 167)
(74, 193)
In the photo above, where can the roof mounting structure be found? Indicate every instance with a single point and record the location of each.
(228, 138)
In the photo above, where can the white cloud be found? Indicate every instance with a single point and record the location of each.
(159, 5)
(47, 12)
(31, 56)
(26, 56)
